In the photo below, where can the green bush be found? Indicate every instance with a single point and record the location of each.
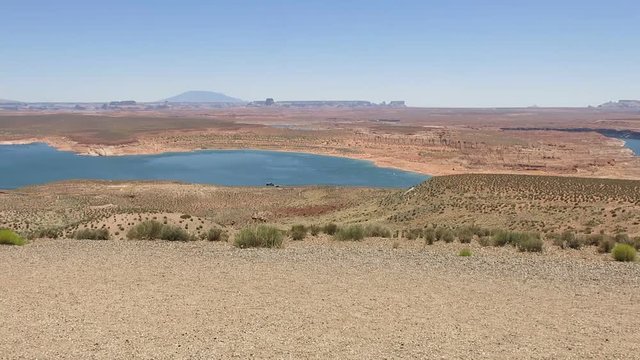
(262, 236)
(330, 229)
(375, 230)
(530, 244)
(174, 233)
(146, 230)
(465, 252)
(8, 237)
(623, 252)
(350, 233)
(448, 236)
(152, 230)
(298, 232)
(215, 234)
(514, 238)
(91, 234)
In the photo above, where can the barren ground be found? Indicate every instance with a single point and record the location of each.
(313, 299)
(430, 141)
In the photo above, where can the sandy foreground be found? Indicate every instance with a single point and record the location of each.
(312, 299)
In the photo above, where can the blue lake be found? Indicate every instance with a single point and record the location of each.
(22, 165)
(633, 144)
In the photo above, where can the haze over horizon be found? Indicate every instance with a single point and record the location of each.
(430, 53)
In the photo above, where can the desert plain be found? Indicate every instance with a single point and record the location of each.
(393, 294)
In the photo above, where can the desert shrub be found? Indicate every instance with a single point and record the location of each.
(350, 233)
(375, 230)
(485, 241)
(530, 244)
(465, 234)
(465, 252)
(91, 234)
(298, 232)
(174, 233)
(413, 234)
(8, 237)
(623, 252)
(216, 234)
(330, 229)
(146, 230)
(447, 236)
(47, 233)
(314, 230)
(439, 232)
(151, 230)
(262, 236)
(606, 244)
(504, 237)
(429, 235)
(593, 239)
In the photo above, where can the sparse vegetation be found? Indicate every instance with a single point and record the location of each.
(91, 234)
(530, 244)
(153, 230)
(298, 232)
(330, 229)
(350, 233)
(465, 252)
(261, 236)
(623, 252)
(314, 230)
(375, 230)
(216, 234)
(8, 237)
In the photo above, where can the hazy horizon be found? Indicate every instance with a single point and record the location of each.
(463, 53)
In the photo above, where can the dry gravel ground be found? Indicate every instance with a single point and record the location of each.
(313, 299)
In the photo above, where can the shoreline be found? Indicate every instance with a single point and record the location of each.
(148, 148)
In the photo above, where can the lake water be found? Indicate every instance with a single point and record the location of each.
(633, 144)
(22, 165)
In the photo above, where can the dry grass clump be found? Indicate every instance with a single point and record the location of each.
(350, 233)
(298, 232)
(215, 234)
(152, 230)
(8, 237)
(47, 233)
(330, 229)
(91, 234)
(262, 236)
(465, 252)
(529, 242)
(375, 230)
(623, 252)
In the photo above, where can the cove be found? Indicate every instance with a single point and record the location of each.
(633, 144)
(31, 164)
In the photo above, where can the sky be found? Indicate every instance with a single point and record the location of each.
(435, 53)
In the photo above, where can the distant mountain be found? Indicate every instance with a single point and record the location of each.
(4, 101)
(621, 104)
(202, 97)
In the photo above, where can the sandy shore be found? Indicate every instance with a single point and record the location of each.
(313, 299)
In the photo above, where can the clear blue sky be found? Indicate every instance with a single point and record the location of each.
(430, 53)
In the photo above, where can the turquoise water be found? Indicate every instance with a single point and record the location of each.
(22, 165)
(633, 144)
